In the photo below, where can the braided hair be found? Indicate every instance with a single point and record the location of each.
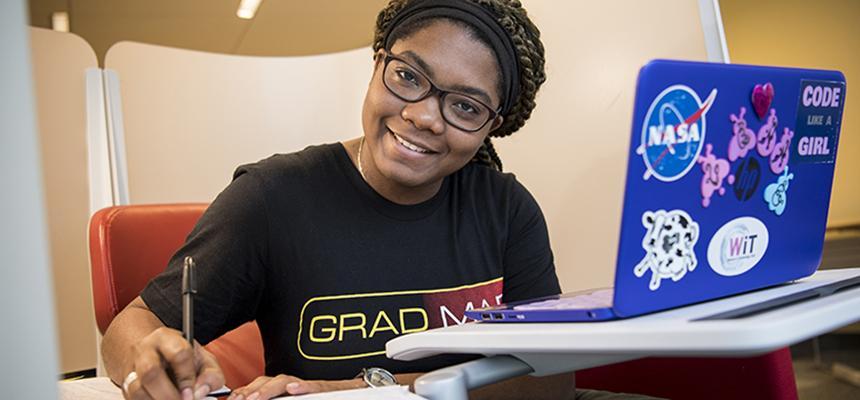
(511, 15)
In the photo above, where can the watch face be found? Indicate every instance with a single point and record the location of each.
(376, 377)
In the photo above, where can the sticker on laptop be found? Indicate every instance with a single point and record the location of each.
(715, 170)
(668, 243)
(779, 157)
(673, 132)
(743, 138)
(747, 177)
(766, 137)
(738, 246)
(762, 97)
(776, 194)
(819, 115)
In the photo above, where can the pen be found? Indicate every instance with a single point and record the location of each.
(189, 288)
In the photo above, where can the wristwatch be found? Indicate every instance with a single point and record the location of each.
(377, 377)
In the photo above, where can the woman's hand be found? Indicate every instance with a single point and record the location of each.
(167, 367)
(266, 387)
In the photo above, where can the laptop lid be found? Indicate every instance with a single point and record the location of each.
(728, 182)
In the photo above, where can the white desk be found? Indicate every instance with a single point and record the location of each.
(550, 348)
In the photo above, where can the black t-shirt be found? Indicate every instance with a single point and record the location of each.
(331, 270)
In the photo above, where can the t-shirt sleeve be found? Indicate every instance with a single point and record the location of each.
(229, 246)
(528, 262)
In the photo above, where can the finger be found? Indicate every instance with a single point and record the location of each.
(304, 387)
(136, 391)
(274, 387)
(209, 375)
(178, 354)
(252, 387)
(153, 376)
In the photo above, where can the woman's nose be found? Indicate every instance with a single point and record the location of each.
(425, 114)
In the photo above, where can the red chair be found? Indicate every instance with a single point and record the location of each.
(765, 377)
(131, 244)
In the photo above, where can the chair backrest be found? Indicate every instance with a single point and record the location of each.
(129, 245)
(765, 377)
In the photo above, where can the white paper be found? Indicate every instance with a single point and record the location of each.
(383, 393)
(100, 388)
(89, 389)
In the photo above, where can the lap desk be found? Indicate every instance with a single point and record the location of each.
(550, 348)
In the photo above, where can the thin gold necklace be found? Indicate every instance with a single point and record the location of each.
(360, 169)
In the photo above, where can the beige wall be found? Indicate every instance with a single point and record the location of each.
(59, 62)
(812, 34)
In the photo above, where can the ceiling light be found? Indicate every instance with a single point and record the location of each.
(247, 9)
(60, 21)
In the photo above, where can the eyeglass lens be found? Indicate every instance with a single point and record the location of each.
(411, 85)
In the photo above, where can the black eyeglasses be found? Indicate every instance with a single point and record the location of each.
(411, 85)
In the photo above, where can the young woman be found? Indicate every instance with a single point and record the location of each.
(338, 248)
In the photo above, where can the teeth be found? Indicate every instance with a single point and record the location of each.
(408, 145)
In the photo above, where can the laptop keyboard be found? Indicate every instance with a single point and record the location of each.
(601, 298)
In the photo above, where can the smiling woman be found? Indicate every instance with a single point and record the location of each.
(338, 248)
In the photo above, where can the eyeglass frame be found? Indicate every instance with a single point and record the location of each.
(433, 90)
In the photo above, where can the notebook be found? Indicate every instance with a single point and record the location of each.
(729, 174)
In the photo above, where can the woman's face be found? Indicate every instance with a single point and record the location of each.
(410, 146)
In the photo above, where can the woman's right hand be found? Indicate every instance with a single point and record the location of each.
(167, 367)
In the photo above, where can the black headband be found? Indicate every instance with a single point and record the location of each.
(479, 18)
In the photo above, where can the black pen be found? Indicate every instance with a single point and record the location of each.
(189, 288)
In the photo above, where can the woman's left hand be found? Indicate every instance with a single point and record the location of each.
(266, 387)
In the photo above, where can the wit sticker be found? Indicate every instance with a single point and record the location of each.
(668, 244)
(738, 246)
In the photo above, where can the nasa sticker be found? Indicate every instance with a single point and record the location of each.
(738, 246)
(673, 132)
(819, 114)
(669, 240)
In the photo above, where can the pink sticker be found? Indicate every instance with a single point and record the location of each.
(716, 170)
(767, 135)
(779, 157)
(762, 96)
(743, 138)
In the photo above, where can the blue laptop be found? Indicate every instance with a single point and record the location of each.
(729, 175)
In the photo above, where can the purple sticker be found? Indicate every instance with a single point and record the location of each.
(743, 138)
(715, 171)
(767, 135)
(779, 157)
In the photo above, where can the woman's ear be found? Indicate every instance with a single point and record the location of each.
(378, 59)
(497, 122)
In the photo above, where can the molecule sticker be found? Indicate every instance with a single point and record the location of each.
(766, 138)
(775, 194)
(668, 245)
(673, 132)
(743, 138)
(715, 171)
(779, 157)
